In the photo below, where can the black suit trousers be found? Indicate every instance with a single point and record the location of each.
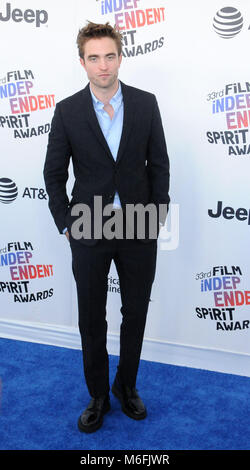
(135, 264)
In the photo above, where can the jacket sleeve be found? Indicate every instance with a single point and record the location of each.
(56, 169)
(158, 165)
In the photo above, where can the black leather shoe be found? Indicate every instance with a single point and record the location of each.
(92, 418)
(132, 404)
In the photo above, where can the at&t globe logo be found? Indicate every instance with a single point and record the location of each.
(228, 22)
(8, 191)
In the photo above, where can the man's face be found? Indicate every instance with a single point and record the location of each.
(101, 62)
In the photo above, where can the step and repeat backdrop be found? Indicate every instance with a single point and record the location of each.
(194, 57)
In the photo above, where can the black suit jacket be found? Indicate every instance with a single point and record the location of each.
(140, 173)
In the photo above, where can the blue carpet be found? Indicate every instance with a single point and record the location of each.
(43, 393)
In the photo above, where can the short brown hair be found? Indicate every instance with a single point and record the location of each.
(95, 30)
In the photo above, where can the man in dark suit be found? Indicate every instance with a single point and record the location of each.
(114, 135)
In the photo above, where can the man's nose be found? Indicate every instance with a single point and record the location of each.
(103, 64)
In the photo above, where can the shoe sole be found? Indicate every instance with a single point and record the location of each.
(93, 427)
(118, 395)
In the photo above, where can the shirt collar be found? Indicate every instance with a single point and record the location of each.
(115, 100)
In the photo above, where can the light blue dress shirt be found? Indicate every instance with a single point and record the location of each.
(111, 128)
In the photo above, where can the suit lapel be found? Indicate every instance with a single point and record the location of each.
(128, 119)
(90, 116)
(95, 126)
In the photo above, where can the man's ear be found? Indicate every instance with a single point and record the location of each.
(82, 62)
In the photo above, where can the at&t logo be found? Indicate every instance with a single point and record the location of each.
(228, 22)
(8, 191)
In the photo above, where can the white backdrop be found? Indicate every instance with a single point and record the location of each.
(199, 311)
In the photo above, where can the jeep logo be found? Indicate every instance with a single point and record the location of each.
(229, 212)
(29, 16)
